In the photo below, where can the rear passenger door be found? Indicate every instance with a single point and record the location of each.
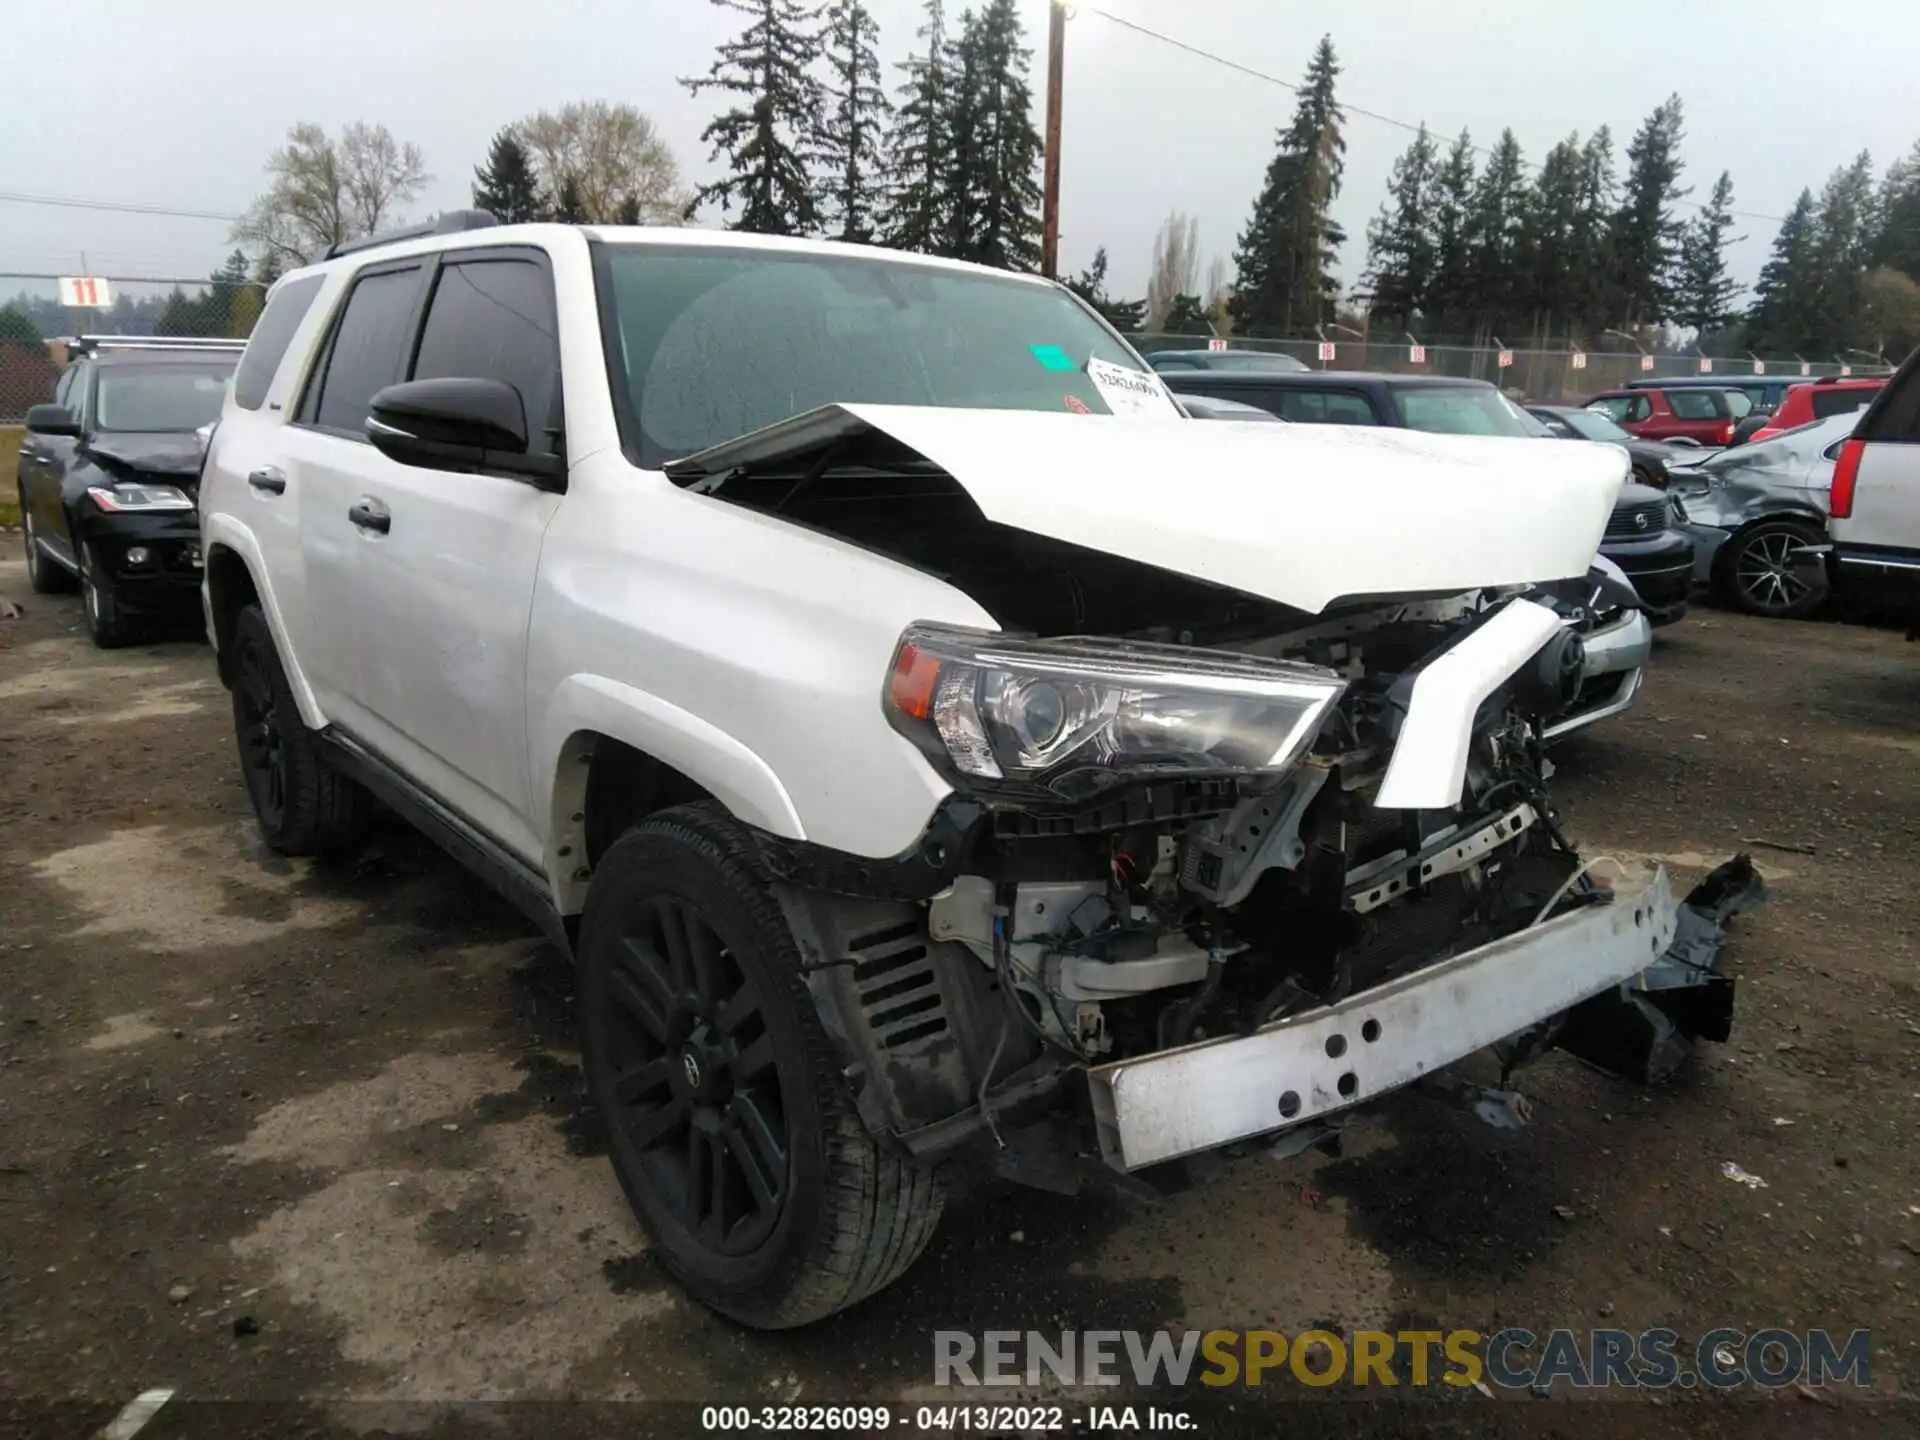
(1331, 406)
(328, 465)
(442, 595)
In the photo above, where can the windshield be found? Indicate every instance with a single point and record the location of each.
(708, 343)
(1466, 410)
(159, 398)
(1592, 425)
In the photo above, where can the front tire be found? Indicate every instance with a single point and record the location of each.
(107, 620)
(729, 1124)
(1755, 571)
(304, 806)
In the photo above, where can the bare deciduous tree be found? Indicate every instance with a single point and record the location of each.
(1219, 292)
(617, 162)
(322, 191)
(1176, 266)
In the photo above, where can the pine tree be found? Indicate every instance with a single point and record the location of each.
(918, 147)
(767, 137)
(1898, 244)
(994, 185)
(1782, 316)
(853, 126)
(506, 184)
(1844, 235)
(1091, 286)
(1495, 217)
(1593, 240)
(1645, 235)
(1549, 251)
(568, 208)
(1400, 240)
(1291, 242)
(1703, 290)
(1450, 298)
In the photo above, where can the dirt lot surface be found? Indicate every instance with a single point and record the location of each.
(273, 1131)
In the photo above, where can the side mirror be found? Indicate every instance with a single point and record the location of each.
(459, 424)
(51, 420)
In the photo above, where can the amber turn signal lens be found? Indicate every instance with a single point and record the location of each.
(915, 673)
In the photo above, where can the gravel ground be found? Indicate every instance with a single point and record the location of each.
(273, 1131)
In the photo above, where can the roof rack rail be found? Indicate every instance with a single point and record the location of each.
(88, 344)
(451, 223)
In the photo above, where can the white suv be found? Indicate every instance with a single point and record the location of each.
(1875, 504)
(931, 746)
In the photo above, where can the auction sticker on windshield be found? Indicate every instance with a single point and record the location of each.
(1128, 392)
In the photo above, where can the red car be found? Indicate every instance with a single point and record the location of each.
(1819, 400)
(1706, 417)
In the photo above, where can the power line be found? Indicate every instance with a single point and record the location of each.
(1406, 125)
(129, 207)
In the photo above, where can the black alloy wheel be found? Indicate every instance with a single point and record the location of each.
(263, 752)
(1763, 574)
(697, 1094)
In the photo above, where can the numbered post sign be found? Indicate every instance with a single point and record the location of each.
(1846, 370)
(1506, 358)
(1578, 360)
(1646, 362)
(1417, 354)
(1706, 365)
(1805, 368)
(1326, 349)
(1759, 367)
(85, 292)
(1216, 343)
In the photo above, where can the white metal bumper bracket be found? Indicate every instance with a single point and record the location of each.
(1201, 1096)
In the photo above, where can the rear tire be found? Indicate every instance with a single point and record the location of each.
(1753, 571)
(44, 576)
(304, 805)
(729, 1123)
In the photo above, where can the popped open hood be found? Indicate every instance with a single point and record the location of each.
(1300, 514)
(160, 453)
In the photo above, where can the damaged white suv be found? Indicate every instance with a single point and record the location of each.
(933, 749)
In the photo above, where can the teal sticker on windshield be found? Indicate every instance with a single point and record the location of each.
(1052, 357)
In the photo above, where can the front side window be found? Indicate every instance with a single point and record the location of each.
(272, 334)
(368, 350)
(1466, 410)
(494, 320)
(707, 343)
(158, 399)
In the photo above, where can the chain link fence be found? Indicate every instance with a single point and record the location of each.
(1543, 376)
(35, 325)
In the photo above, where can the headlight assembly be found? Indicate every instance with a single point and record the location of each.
(137, 498)
(1074, 715)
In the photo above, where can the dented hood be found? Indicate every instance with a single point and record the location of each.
(1300, 514)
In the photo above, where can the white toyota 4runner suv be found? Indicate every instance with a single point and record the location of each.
(934, 750)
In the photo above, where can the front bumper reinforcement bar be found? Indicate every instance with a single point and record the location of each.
(1162, 1106)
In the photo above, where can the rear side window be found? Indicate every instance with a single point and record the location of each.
(494, 320)
(1698, 404)
(368, 352)
(1829, 403)
(1321, 407)
(272, 333)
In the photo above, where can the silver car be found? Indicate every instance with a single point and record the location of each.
(1758, 518)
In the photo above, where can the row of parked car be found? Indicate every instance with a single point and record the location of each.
(1733, 479)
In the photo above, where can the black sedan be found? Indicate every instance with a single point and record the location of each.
(1650, 457)
(109, 478)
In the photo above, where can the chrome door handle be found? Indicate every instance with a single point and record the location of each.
(268, 480)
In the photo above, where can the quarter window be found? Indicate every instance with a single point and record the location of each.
(1320, 407)
(271, 336)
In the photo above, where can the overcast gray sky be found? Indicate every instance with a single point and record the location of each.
(181, 103)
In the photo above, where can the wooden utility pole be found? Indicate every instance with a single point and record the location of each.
(1050, 200)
